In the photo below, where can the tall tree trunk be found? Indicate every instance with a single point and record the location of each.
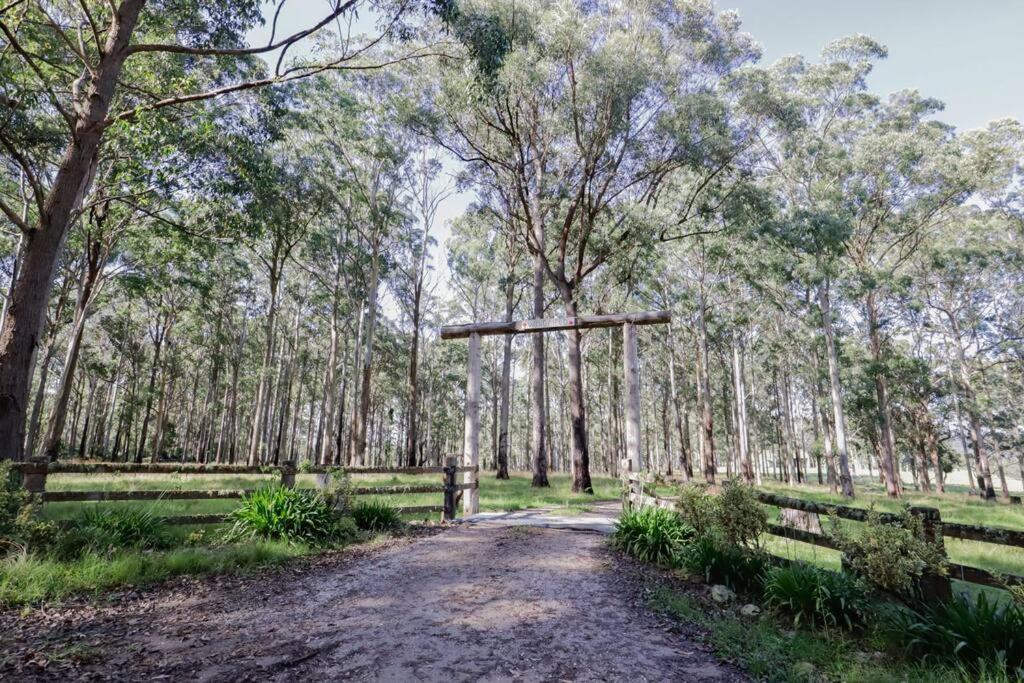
(981, 463)
(836, 391)
(413, 388)
(538, 431)
(577, 407)
(740, 396)
(30, 293)
(704, 380)
(55, 425)
(503, 417)
(888, 463)
(359, 441)
(261, 406)
(685, 466)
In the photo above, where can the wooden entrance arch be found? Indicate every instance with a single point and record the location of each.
(630, 367)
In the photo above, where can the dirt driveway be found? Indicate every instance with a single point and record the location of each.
(481, 602)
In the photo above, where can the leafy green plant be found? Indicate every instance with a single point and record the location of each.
(738, 568)
(738, 515)
(654, 535)
(894, 556)
(816, 597)
(980, 635)
(295, 515)
(696, 507)
(21, 528)
(375, 515)
(103, 530)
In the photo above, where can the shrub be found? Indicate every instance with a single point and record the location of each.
(738, 568)
(738, 515)
(891, 555)
(735, 515)
(654, 535)
(375, 515)
(20, 526)
(980, 635)
(288, 514)
(815, 596)
(103, 530)
(696, 507)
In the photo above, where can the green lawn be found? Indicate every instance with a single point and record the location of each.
(956, 506)
(515, 493)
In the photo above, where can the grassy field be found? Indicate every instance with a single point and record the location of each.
(515, 493)
(29, 579)
(956, 505)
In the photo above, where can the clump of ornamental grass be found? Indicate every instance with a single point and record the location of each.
(375, 515)
(653, 535)
(289, 514)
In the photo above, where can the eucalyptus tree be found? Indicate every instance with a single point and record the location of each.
(78, 71)
(578, 113)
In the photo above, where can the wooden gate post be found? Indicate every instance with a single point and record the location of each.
(471, 444)
(933, 587)
(288, 474)
(631, 370)
(451, 464)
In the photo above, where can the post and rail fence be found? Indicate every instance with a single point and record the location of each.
(934, 527)
(34, 475)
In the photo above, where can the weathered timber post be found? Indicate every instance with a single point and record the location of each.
(288, 474)
(471, 444)
(631, 368)
(933, 587)
(627, 484)
(451, 464)
(33, 475)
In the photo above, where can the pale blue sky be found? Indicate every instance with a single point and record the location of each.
(967, 53)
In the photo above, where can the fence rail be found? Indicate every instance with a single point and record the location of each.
(34, 475)
(932, 521)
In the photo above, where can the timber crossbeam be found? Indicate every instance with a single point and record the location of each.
(581, 322)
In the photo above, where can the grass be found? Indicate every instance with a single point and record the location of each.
(515, 493)
(771, 651)
(25, 579)
(29, 580)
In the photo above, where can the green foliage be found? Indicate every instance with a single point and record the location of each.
(980, 635)
(288, 514)
(737, 567)
(653, 535)
(739, 516)
(768, 651)
(696, 507)
(28, 579)
(734, 516)
(375, 515)
(20, 526)
(104, 530)
(816, 597)
(891, 555)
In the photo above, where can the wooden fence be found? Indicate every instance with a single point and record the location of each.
(34, 475)
(931, 517)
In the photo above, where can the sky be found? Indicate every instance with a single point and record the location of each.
(966, 53)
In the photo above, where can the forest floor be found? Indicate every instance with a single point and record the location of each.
(477, 601)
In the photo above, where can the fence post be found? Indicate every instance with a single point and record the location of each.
(625, 468)
(288, 474)
(933, 587)
(33, 475)
(449, 490)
